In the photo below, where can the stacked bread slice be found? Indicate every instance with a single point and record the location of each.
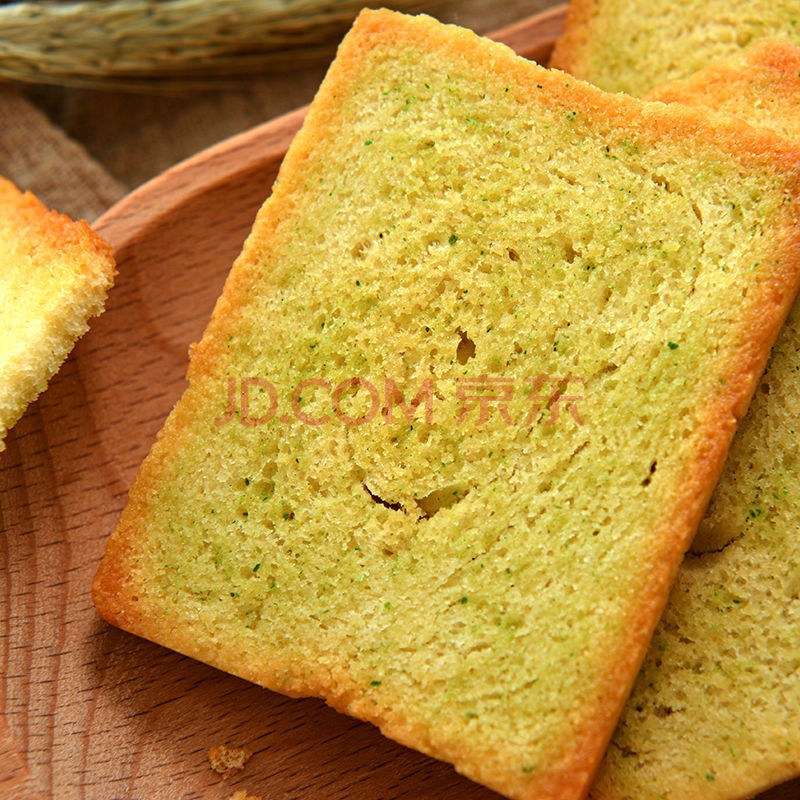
(631, 46)
(577, 290)
(715, 712)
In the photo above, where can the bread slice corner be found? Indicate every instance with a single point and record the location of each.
(54, 276)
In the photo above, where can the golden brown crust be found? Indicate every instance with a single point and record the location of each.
(114, 592)
(780, 60)
(570, 775)
(54, 228)
(569, 53)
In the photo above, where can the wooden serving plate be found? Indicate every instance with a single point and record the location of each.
(89, 712)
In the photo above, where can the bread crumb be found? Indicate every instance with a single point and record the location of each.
(241, 794)
(228, 760)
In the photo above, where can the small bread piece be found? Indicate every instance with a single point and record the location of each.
(715, 712)
(481, 581)
(631, 46)
(227, 760)
(54, 276)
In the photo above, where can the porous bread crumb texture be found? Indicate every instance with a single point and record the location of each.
(482, 591)
(226, 760)
(715, 710)
(630, 46)
(54, 276)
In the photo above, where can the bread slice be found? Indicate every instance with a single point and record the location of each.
(715, 712)
(630, 46)
(580, 292)
(54, 276)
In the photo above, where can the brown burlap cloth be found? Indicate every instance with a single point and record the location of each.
(79, 151)
(38, 156)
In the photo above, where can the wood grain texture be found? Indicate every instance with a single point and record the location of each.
(94, 713)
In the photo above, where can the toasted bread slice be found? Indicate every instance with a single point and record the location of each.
(54, 276)
(580, 292)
